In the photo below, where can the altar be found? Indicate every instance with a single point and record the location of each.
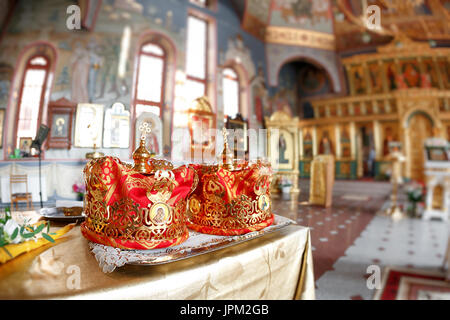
(276, 266)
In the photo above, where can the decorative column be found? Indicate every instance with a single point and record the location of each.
(314, 141)
(353, 140)
(384, 78)
(339, 110)
(351, 108)
(376, 109)
(367, 78)
(377, 139)
(351, 83)
(327, 111)
(300, 142)
(316, 112)
(296, 171)
(421, 69)
(398, 69)
(438, 72)
(337, 134)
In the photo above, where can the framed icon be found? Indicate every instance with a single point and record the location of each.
(60, 118)
(437, 153)
(25, 145)
(282, 149)
(89, 125)
(116, 132)
(308, 152)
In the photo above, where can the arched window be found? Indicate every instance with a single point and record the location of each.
(196, 81)
(31, 97)
(196, 58)
(231, 98)
(150, 79)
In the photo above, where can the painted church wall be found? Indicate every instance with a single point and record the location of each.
(87, 61)
(278, 55)
(314, 15)
(284, 97)
(235, 45)
(298, 83)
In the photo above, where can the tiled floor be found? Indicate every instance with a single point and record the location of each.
(350, 236)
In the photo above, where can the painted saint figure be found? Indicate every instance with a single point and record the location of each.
(60, 127)
(95, 62)
(325, 147)
(308, 146)
(160, 216)
(282, 148)
(260, 96)
(80, 74)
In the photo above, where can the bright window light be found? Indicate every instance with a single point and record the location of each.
(196, 47)
(230, 88)
(150, 78)
(30, 101)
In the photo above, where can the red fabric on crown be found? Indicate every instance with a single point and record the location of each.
(228, 201)
(118, 206)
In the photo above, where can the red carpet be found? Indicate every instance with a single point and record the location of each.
(392, 280)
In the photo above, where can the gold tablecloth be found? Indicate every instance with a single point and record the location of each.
(275, 266)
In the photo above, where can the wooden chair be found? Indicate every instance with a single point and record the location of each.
(20, 196)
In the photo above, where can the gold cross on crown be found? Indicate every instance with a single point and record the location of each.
(144, 128)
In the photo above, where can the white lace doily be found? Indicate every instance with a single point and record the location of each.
(110, 258)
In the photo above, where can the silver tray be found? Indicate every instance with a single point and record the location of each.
(57, 214)
(197, 244)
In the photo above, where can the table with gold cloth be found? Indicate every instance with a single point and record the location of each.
(275, 266)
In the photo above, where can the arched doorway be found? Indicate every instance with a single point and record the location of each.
(420, 127)
(298, 81)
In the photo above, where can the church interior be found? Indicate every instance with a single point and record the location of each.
(282, 149)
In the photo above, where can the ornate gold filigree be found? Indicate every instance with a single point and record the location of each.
(160, 164)
(118, 216)
(209, 207)
(126, 220)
